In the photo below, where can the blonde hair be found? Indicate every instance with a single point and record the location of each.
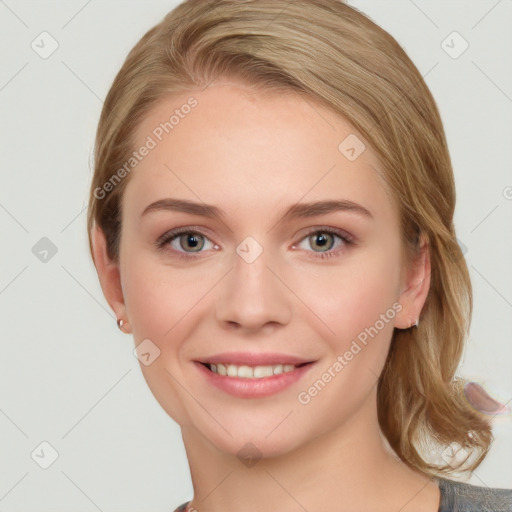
(338, 56)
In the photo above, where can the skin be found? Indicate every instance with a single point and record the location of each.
(253, 154)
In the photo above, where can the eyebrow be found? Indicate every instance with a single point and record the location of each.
(298, 210)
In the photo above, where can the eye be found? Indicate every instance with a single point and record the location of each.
(324, 239)
(183, 239)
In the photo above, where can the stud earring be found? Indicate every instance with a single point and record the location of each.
(120, 323)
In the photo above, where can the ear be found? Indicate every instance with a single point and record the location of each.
(415, 286)
(109, 275)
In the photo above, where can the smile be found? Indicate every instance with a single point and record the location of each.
(244, 381)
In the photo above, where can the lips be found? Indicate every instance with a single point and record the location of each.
(247, 384)
(247, 374)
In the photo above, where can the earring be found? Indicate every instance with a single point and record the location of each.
(415, 324)
(120, 323)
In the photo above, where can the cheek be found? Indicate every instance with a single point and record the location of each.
(357, 304)
(159, 296)
(353, 296)
(160, 303)
(149, 308)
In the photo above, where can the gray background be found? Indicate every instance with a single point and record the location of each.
(67, 374)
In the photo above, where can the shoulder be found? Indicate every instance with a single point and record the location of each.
(182, 507)
(464, 497)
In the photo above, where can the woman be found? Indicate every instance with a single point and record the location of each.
(306, 341)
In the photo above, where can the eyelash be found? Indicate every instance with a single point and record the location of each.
(171, 235)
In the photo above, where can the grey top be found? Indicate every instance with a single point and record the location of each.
(461, 497)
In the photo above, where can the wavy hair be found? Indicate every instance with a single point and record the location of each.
(338, 56)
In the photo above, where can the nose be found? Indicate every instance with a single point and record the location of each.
(253, 295)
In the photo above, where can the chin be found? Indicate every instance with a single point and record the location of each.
(253, 446)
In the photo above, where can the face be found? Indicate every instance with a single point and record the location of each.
(316, 285)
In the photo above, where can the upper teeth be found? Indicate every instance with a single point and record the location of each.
(250, 372)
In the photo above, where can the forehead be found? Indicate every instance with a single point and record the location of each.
(234, 144)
